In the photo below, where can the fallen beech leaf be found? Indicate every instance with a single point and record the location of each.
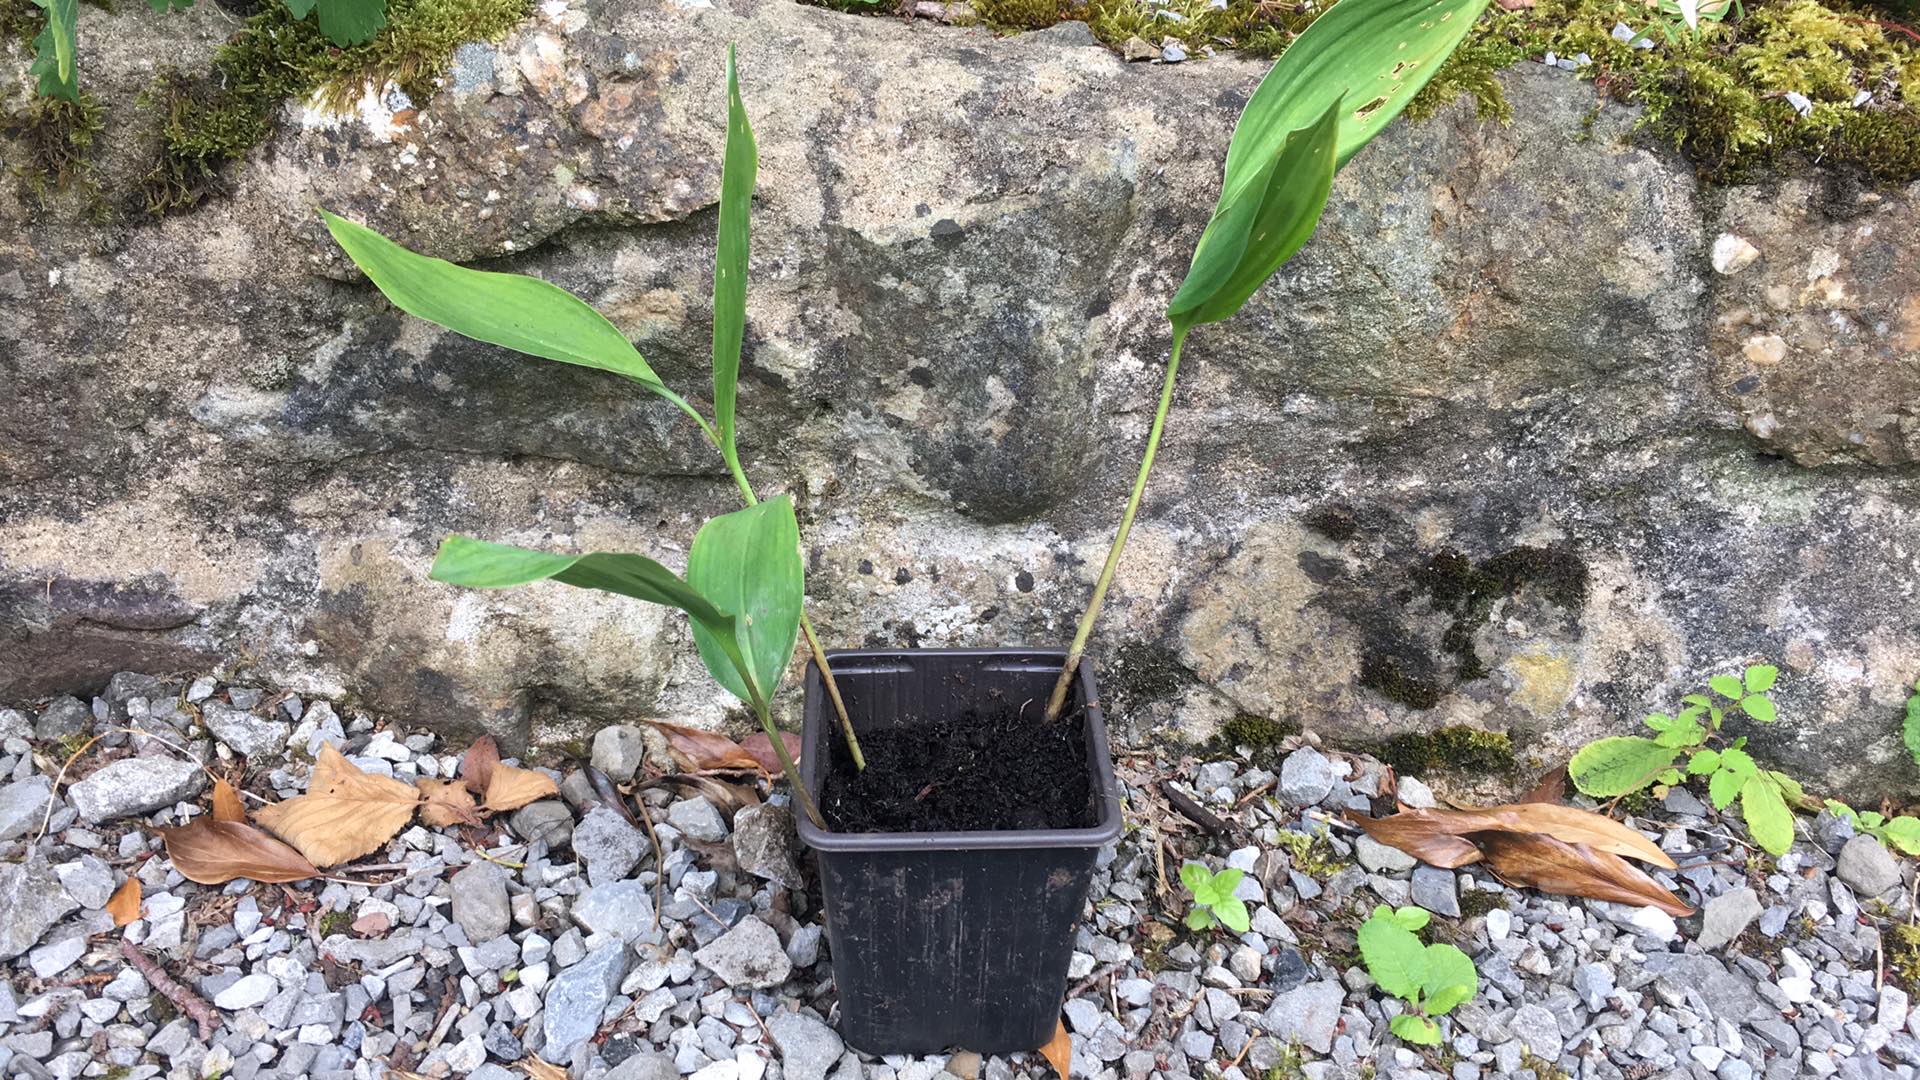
(1567, 823)
(1420, 839)
(1538, 861)
(476, 768)
(541, 1070)
(510, 788)
(124, 905)
(447, 803)
(706, 751)
(345, 813)
(1552, 787)
(729, 798)
(213, 852)
(1059, 1050)
(760, 749)
(226, 803)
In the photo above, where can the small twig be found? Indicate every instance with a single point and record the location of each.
(659, 865)
(1237, 1058)
(1191, 810)
(1252, 795)
(1247, 990)
(1882, 24)
(1181, 1013)
(1087, 983)
(186, 1000)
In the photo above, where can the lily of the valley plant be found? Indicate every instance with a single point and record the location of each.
(743, 588)
(1331, 92)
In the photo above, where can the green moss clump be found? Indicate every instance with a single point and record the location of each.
(1477, 902)
(57, 139)
(216, 117)
(1390, 678)
(1312, 855)
(1468, 592)
(1256, 732)
(1292, 1064)
(335, 922)
(1459, 749)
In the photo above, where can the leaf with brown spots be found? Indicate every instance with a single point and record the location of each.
(124, 905)
(226, 803)
(447, 803)
(1538, 861)
(1059, 1050)
(510, 788)
(345, 814)
(213, 852)
(476, 768)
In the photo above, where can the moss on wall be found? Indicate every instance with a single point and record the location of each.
(1718, 96)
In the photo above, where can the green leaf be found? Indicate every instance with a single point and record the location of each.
(517, 312)
(1700, 700)
(737, 174)
(1224, 883)
(56, 49)
(1768, 818)
(1903, 832)
(1413, 917)
(1617, 765)
(1659, 721)
(1843, 812)
(1703, 762)
(1451, 978)
(1195, 877)
(1759, 678)
(344, 22)
(1724, 787)
(1233, 912)
(1395, 958)
(748, 564)
(164, 6)
(1726, 686)
(1758, 707)
(1871, 820)
(1199, 918)
(1683, 733)
(1789, 787)
(478, 564)
(1415, 1029)
(1343, 79)
(1741, 762)
(1669, 777)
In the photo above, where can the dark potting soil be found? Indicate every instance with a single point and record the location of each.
(973, 772)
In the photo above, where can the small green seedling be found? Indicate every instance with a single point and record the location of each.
(1902, 832)
(1609, 768)
(1336, 87)
(1213, 901)
(1431, 979)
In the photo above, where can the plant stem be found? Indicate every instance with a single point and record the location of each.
(806, 624)
(1058, 699)
(786, 762)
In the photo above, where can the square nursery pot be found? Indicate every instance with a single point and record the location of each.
(951, 940)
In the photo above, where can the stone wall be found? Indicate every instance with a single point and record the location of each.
(1501, 447)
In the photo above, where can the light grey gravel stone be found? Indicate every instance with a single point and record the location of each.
(1437, 890)
(623, 909)
(1412, 792)
(1727, 916)
(764, 843)
(1593, 982)
(247, 734)
(619, 751)
(88, 879)
(748, 956)
(1381, 858)
(1306, 777)
(132, 786)
(1538, 1031)
(480, 902)
(808, 1048)
(248, 992)
(63, 718)
(609, 845)
(33, 900)
(644, 1066)
(1867, 866)
(23, 806)
(55, 957)
(698, 818)
(576, 999)
(1306, 1013)
(548, 821)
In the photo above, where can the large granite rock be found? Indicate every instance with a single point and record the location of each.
(1500, 447)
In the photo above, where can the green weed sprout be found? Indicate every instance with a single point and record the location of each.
(534, 317)
(1213, 901)
(1431, 979)
(1328, 95)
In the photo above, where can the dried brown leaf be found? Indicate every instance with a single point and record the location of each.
(212, 852)
(729, 798)
(760, 749)
(510, 788)
(226, 803)
(1538, 861)
(476, 769)
(541, 1070)
(1552, 787)
(345, 813)
(1059, 1050)
(1566, 823)
(447, 803)
(124, 905)
(706, 751)
(1419, 838)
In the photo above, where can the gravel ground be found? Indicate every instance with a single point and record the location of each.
(549, 951)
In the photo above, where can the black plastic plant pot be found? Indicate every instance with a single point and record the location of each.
(952, 940)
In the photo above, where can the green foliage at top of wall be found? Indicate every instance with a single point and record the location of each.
(1719, 96)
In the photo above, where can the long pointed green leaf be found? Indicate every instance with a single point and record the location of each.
(56, 48)
(1295, 192)
(730, 261)
(748, 564)
(521, 313)
(478, 564)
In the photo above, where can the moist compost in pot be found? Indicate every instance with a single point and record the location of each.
(958, 863)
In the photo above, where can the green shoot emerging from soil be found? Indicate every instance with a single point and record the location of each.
(1213, 901)
(1431, 979)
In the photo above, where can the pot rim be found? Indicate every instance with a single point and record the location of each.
(1105, 829)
